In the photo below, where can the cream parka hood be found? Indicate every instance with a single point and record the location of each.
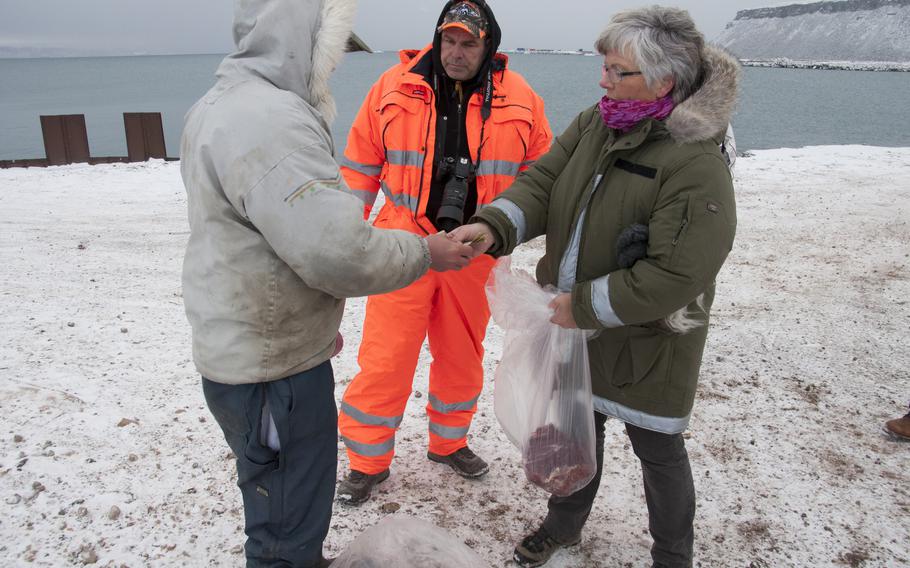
(275, 243)
(294, 45)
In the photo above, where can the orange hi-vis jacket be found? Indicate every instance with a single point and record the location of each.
(390, 148)
(391, 143)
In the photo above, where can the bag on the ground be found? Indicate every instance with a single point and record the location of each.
(542, 391)
(405, 542)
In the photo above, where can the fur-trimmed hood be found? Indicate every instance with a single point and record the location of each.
(293, 44)
(706, 114)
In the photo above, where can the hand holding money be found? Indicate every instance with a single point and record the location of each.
(478, 236)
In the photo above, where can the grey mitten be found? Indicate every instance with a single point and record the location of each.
(632, 245)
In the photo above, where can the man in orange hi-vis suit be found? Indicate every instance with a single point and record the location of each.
(441, 134)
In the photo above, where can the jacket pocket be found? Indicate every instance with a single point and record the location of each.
(642, 360)
(257, 450)
(632, 187)
(512, 132)
(679, 239)
(397, 114)
(397, 101)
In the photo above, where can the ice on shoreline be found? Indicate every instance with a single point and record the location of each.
(785, 63)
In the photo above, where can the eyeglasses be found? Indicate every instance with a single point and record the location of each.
(616, 75)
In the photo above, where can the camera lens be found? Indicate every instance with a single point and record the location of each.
(454, 195)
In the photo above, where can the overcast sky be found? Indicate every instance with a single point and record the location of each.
(204, 26)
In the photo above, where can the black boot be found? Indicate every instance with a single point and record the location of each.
(465, 462)
(357, 486)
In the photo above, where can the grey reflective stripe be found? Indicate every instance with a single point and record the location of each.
(497, 167)
(603, 308)
(365, 169)
(404, 158)
(444, 408)
(516, 217)
(728, 148)
(365, 195)
(400, 199)
(371, 419)
(370, 450)
(569, 263)
(448, 432)
(662, 424)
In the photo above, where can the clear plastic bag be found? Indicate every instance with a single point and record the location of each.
(542, 390)
(406, 542)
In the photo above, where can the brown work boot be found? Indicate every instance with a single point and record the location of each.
(465, 462)
(899, 428)
(357, 486)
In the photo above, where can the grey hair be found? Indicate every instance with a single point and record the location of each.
(664, 42)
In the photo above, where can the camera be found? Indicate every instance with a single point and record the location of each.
(460, 174)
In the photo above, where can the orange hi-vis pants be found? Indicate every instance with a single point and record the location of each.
(449, 308)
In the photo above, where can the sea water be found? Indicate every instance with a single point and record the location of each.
(777, 108)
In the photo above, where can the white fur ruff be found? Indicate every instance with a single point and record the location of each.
(337, 23)
(709, 110)
(683, 320)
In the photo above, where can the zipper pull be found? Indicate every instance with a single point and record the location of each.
(682, 228)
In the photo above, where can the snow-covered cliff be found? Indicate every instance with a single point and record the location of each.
(854, 30)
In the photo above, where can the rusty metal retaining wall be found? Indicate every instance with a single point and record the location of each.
(66, 141)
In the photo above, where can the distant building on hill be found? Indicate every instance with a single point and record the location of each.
(854, 30)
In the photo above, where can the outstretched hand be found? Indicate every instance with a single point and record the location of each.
(562, 311)
(447, 253)
(478, 235)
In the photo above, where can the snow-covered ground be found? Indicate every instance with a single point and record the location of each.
(109, 454)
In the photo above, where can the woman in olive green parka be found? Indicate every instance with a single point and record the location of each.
(646, 163)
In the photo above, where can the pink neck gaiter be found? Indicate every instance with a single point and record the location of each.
(625, 114)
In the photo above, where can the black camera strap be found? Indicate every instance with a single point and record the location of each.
(443, 134)
(453, 195)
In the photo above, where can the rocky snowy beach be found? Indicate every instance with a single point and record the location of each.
(785, 63)
(109, 456)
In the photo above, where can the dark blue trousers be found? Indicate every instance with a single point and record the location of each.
(287, 494)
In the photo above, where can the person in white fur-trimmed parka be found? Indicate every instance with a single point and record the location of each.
(276, 244)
